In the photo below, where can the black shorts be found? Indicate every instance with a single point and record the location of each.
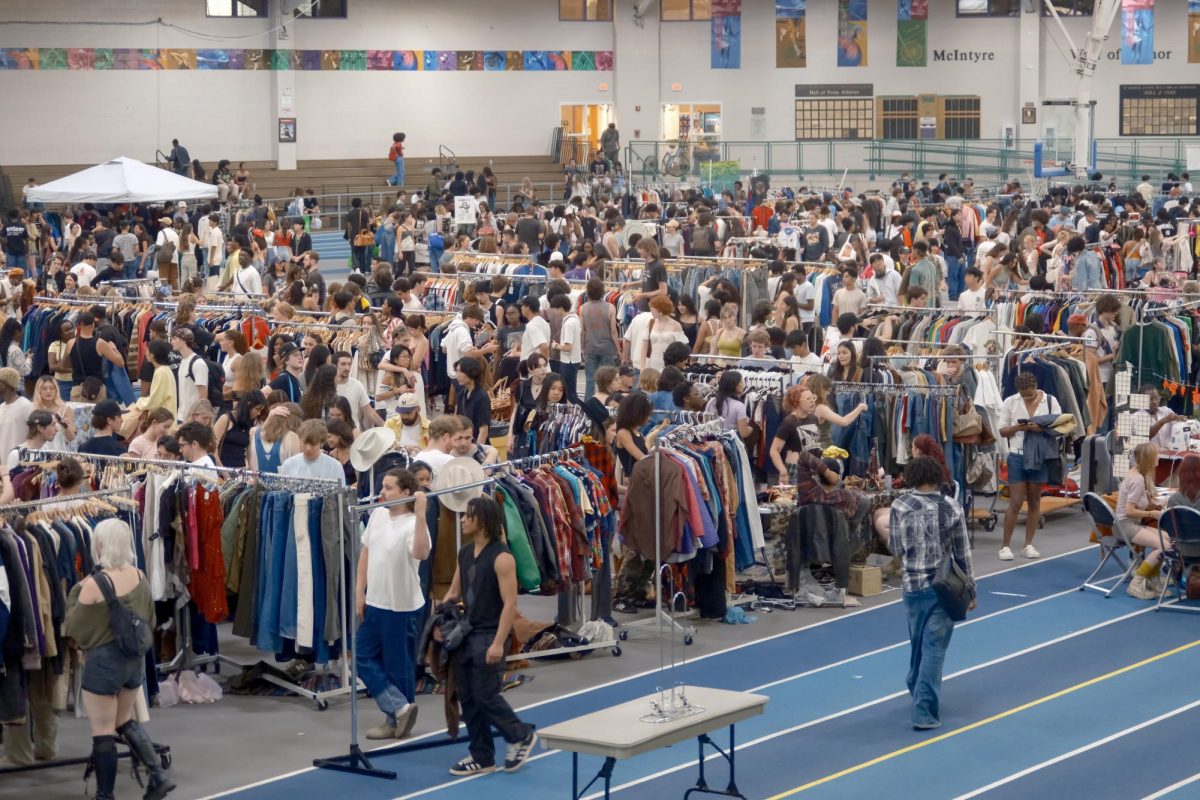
(106, 671)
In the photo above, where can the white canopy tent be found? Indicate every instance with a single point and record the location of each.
(121, 180)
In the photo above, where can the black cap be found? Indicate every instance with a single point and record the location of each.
(287, 349)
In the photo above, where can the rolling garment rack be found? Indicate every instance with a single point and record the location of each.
(356, 761)
(185, 659)
(575, 599)
(65, 502)
(696, 424)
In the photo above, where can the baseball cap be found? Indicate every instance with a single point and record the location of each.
(556, 256)
(108, 408)
(407, 403)
(287, 349)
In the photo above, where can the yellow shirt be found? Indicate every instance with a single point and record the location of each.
(162, 392)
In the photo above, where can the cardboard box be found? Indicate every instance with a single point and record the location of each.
(865, 580)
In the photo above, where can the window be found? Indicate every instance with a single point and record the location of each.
(236, 8)
(988, 8)
(1162, 110)
(835, 119)
(585, 10)
(960, 118)
(322, 9)
(898, 117)
(1071, 8)
(685, 10)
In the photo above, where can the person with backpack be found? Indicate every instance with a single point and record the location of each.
(704, 237)
(109, 617)
(199, 378)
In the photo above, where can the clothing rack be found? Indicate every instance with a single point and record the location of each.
(896, 389)
(239, 309)
(1054, 336)
(662, 621)
(552, 457)
(313, 325)
(185, 658)
(356, 761)
(951, 312)
(61, 500)
(81, 301)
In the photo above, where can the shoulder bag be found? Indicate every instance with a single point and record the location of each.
(133, 635)
(955, 588)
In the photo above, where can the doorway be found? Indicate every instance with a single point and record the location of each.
(582, 125)
(696, 122)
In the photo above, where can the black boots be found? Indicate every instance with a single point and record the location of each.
(143, 750)
(104, 761)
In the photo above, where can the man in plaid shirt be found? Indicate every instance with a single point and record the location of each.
(920, 522)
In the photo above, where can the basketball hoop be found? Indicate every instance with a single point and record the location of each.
(1038, 187)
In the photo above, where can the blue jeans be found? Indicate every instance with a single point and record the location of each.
(386, 652)
(130, 269)
(929, 631)
(954, 276)
(591, 363)
(398, 178)
(64, 389)
(570, 376)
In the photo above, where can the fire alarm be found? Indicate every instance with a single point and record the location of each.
(676, 87)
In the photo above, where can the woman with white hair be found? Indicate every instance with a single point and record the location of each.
(109, 616)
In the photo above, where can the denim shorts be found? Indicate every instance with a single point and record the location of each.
(106, 670)
(1018, 474)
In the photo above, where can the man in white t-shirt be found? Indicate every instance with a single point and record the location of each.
(14, 410)
(216, 245)
(355, 393)
(806, 294)
(311, 461)
(441, 442)
(1163, 420)
(167, 234)
(247, 280)
(849, 299)
(569, 344)
(804, 360)
(388, 600)
(85, 270)
(536, 337)
(1102, 335)
(192, 375)
(973, 298)
(195, 445)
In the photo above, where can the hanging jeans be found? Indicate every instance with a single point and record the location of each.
(398, 178)
(483, 707)
(929, 631)
(387, 655)
(116, 381)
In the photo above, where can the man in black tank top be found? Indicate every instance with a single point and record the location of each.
(486, 582)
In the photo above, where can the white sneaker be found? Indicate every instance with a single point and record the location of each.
(1030, 552)
(1005, 554)
(1139, 589)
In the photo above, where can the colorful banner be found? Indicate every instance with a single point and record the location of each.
(1137, 31)
(791, 48)
(912, 47)
(726, 38)
(852, 33)
(83, 59)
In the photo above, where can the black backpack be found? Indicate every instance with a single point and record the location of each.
(702, 241)
(216, 379)
(133, 635)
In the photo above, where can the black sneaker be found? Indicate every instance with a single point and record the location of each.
(469, 766)
(519, 752)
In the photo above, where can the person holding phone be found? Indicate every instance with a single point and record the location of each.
(1024, 483)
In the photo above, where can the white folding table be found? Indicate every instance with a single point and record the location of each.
(620, 732)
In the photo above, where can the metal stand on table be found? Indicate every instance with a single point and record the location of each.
(355, 761)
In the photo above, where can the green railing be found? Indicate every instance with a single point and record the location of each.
(987, 161)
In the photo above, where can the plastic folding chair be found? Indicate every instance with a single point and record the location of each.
(1182, 524)
(1111, 542)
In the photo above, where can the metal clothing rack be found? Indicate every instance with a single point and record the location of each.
(949, 312)
(661, 622)
(61, 500)
(185, 658)
(576, 597)
(896, 389)
(356, 761)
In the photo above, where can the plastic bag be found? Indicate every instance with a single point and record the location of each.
(168, 693)
(198, 688)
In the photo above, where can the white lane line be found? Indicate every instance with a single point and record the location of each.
(644, 673)
(1173, 787)
(1085, 748)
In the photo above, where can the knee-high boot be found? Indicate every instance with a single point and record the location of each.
(143, 750)
(104, 760)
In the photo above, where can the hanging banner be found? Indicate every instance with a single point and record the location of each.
(1137, 31)
(1194, 31)
(852, 33)
(791, 49)
(912, 48)
(726, 42)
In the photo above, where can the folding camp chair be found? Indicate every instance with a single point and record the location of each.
(1182, 524)
(1111, 542)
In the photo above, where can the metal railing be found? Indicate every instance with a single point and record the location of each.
(1124, 160)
